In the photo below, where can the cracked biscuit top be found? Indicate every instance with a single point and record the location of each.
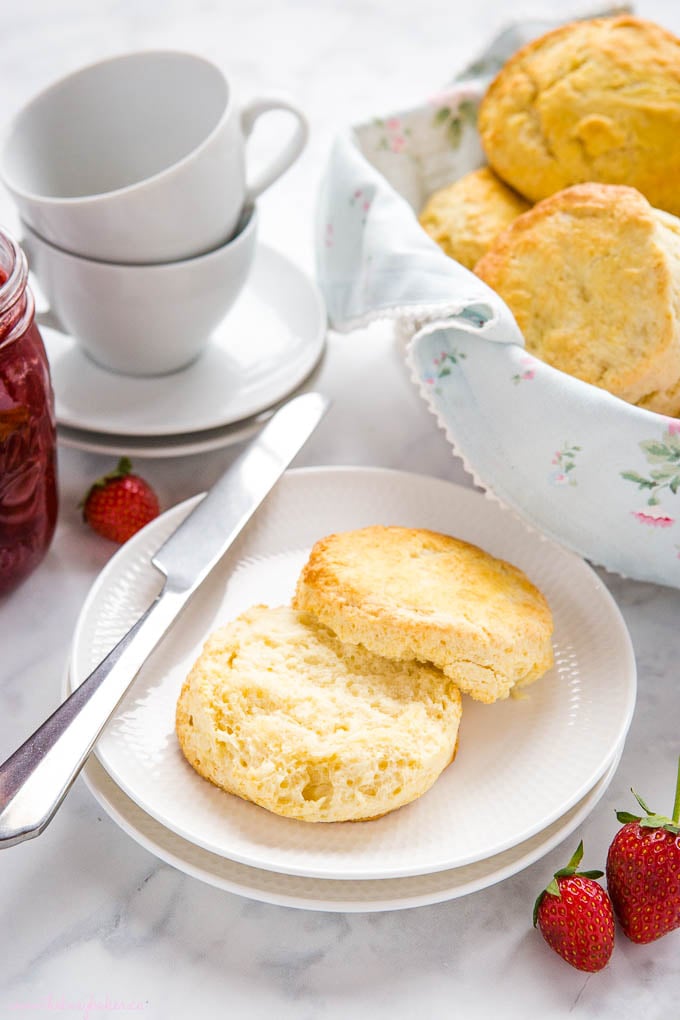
(413, 594)
(592, 276)
(593, 100)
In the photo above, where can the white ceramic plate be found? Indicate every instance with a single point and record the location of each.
(521, 764)
(326, 894)
(266, 346)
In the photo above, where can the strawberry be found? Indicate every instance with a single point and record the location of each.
(643, 871)
(120, 503)
(574, 915)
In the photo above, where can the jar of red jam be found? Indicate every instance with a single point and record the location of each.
(28, 484)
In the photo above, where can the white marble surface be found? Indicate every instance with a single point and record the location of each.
(89, 916)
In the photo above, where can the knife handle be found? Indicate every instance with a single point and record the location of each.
(37, 777)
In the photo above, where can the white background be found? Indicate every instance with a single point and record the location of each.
(85, 911)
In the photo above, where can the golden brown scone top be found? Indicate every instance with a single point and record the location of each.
(592, 100)
(592, 275)
(466, 216)
(414, 594)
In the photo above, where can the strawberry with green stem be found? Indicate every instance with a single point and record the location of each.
(120, 503)
(574, 915)
(643, 871)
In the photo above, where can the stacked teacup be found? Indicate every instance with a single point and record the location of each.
(138, 215)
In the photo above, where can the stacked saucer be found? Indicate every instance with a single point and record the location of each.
(528, 770)
(267, 347)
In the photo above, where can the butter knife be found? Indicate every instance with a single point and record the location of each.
(37, 777)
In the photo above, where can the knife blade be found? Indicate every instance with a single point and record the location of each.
(36, 778)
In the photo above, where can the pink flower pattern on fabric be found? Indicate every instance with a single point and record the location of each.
(652, 520)
(442, 365)
(564, 461)
(663, 457)
(528, 372)
(395, 135)
(361, 201)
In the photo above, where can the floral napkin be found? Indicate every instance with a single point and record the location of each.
(591, 471)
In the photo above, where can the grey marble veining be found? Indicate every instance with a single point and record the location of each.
(90, 916)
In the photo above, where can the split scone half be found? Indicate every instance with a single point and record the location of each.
(280, 712)
(411, 594)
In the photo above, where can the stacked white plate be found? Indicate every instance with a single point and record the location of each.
(265, 349)
(527, 772)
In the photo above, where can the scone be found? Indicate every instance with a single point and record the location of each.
(592, 276)
(280, 712)
(411, 594)
(466, 216)
(591, 101)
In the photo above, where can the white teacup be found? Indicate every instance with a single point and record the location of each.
(139, 158)
(141, 320)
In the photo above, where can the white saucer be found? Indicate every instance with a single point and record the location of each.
(270, 341)
(174, 445)
(170, 446)
(522, 762)
(327, 894)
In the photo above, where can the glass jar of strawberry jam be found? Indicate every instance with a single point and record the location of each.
(28, 485)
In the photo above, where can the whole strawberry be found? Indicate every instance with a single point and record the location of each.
(120, 503)
(574, 916)
(643, 871)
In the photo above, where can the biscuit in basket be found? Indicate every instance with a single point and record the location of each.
(280, 712)
(592, 276)
(592, 100)
(412, 594)
(465, 217)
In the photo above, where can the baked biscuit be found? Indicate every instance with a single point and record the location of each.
(592, 276)
(592, 100)
(280, 712)
(411, 594)
(466, 216)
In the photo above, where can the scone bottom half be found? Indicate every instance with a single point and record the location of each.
(280, 712)
(417, 595)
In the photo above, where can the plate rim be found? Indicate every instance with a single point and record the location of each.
(581, 812)
(467, 493)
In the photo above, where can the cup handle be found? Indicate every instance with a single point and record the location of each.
(291, 150)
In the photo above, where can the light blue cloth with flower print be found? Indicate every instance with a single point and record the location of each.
(581, 466)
